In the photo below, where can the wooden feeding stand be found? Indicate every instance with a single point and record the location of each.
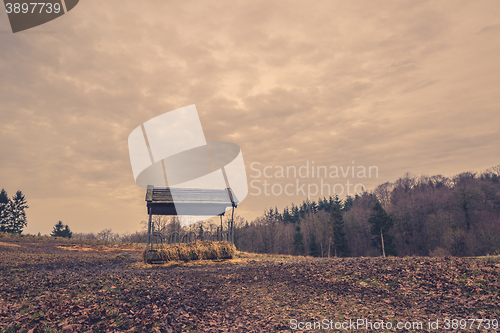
(198, 201)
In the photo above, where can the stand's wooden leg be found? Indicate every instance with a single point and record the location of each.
(149, 231)
(221, 229)
(232, 226)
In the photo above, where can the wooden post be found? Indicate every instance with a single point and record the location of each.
(232, 226)
(221, 228)
(149, 230)
(383, 247)
(152, 233)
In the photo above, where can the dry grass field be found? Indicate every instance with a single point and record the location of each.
(206, 250)
(59, 285)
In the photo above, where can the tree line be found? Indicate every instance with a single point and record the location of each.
(413, 216)
(419, 216)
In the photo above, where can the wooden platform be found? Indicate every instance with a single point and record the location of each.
(189, 201)
(160, 201)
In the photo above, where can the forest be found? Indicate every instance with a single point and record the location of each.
(423, 216)
(415, 216)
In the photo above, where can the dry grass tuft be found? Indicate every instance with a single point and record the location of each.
(206, 250)
(9, 244)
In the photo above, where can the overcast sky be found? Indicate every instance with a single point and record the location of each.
(406, 86)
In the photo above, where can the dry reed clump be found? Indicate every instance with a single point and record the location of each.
(206, 250)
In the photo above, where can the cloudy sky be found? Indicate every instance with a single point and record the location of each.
(406, 86)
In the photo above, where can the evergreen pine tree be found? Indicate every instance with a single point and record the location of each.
(313, 246)
(14, 215)
(323, 205)
(4, 210)
(277, 215)
(298, 241)
(313, 207)
(303, 209)
(61, 230)
(349, 201)
(340, 245)
(67, 232)
(287, 218)
(295, 214)
(380, 225)
(58, 229)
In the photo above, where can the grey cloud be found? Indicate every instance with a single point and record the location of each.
(390, 84)
(488, 28)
